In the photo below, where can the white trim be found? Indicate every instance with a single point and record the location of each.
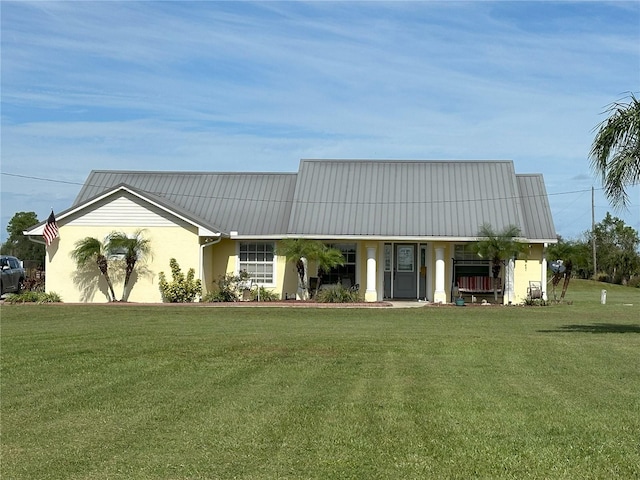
(202, 230)
(266, 238)
(399, 239)
(274, 278)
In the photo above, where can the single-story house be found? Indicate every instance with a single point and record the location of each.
(405, 228)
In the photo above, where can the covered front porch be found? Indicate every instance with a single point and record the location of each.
(440, 272)
(401, 270)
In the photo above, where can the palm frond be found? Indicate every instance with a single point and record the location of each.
(87, 249)
(615, 152)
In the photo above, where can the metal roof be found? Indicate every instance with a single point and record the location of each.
(538, 222)
(435, 199)
(249, 203)
(445, 200)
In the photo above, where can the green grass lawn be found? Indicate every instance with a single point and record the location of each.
(177, 392)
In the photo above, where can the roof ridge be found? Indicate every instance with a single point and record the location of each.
(372, 160)
(193, 172)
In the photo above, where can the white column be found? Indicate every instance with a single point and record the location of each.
(509, 281)
(543, 273)
(440, 295)
(371, 295)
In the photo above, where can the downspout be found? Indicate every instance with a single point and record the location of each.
(202, 247)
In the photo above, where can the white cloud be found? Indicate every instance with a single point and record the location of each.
(226, 86)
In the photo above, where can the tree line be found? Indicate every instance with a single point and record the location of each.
(617, 253)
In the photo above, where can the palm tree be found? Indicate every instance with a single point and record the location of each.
(136, 248)
(301, 250)
(92, 249)
(562, 254)
(615, 153)
(497, 247)
(298, 251)
(327, 258)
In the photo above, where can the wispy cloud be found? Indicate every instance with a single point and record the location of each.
(256, 86)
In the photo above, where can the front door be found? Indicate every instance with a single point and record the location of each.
(404, 269)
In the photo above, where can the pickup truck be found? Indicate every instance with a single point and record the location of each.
(12, 275)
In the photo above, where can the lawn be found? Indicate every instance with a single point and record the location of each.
(189, 392)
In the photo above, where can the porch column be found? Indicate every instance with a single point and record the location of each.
(440, 295)
(371, 295)
(543, 273)
(509, 282)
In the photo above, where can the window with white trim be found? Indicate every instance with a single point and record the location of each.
(258, 260)
(344, 274)
(465, 251)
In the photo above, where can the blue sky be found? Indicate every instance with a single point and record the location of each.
(228, 86)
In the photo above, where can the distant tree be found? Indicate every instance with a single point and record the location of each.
(20, 246)
(562, 256)
(91, 249)
(135, 248)
(576, 251)
(615, 153)
(498, 247)
(617, 249)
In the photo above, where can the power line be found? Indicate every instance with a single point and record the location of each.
(320, 202)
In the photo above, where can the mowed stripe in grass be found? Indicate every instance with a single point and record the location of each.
(152, 392)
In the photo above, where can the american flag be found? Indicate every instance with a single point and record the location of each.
(50, 232)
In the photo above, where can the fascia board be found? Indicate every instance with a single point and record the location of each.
(254, 237)
(202, 230)
(386, 238)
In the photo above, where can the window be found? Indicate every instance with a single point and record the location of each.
(465, 252)
(387, 257)
(468, 263)
(345, 274)
(257, 259)
(405, 258)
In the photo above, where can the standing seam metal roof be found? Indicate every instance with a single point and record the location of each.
(356, 198)
(249, 203)
(405, 198)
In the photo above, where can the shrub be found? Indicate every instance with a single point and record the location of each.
(265, 295)
(535, 302)
(634, 282)
(181, 289)
(230, 288)
(338, 294)
(34, 297)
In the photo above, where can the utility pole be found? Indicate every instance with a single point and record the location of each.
(593, 230)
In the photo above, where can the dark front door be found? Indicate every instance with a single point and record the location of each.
(404, 269)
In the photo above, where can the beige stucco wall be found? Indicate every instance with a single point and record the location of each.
(222, 258)
(286, 277)
(87, 285)
(216, 260)
(526, 270)
(181, 242)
